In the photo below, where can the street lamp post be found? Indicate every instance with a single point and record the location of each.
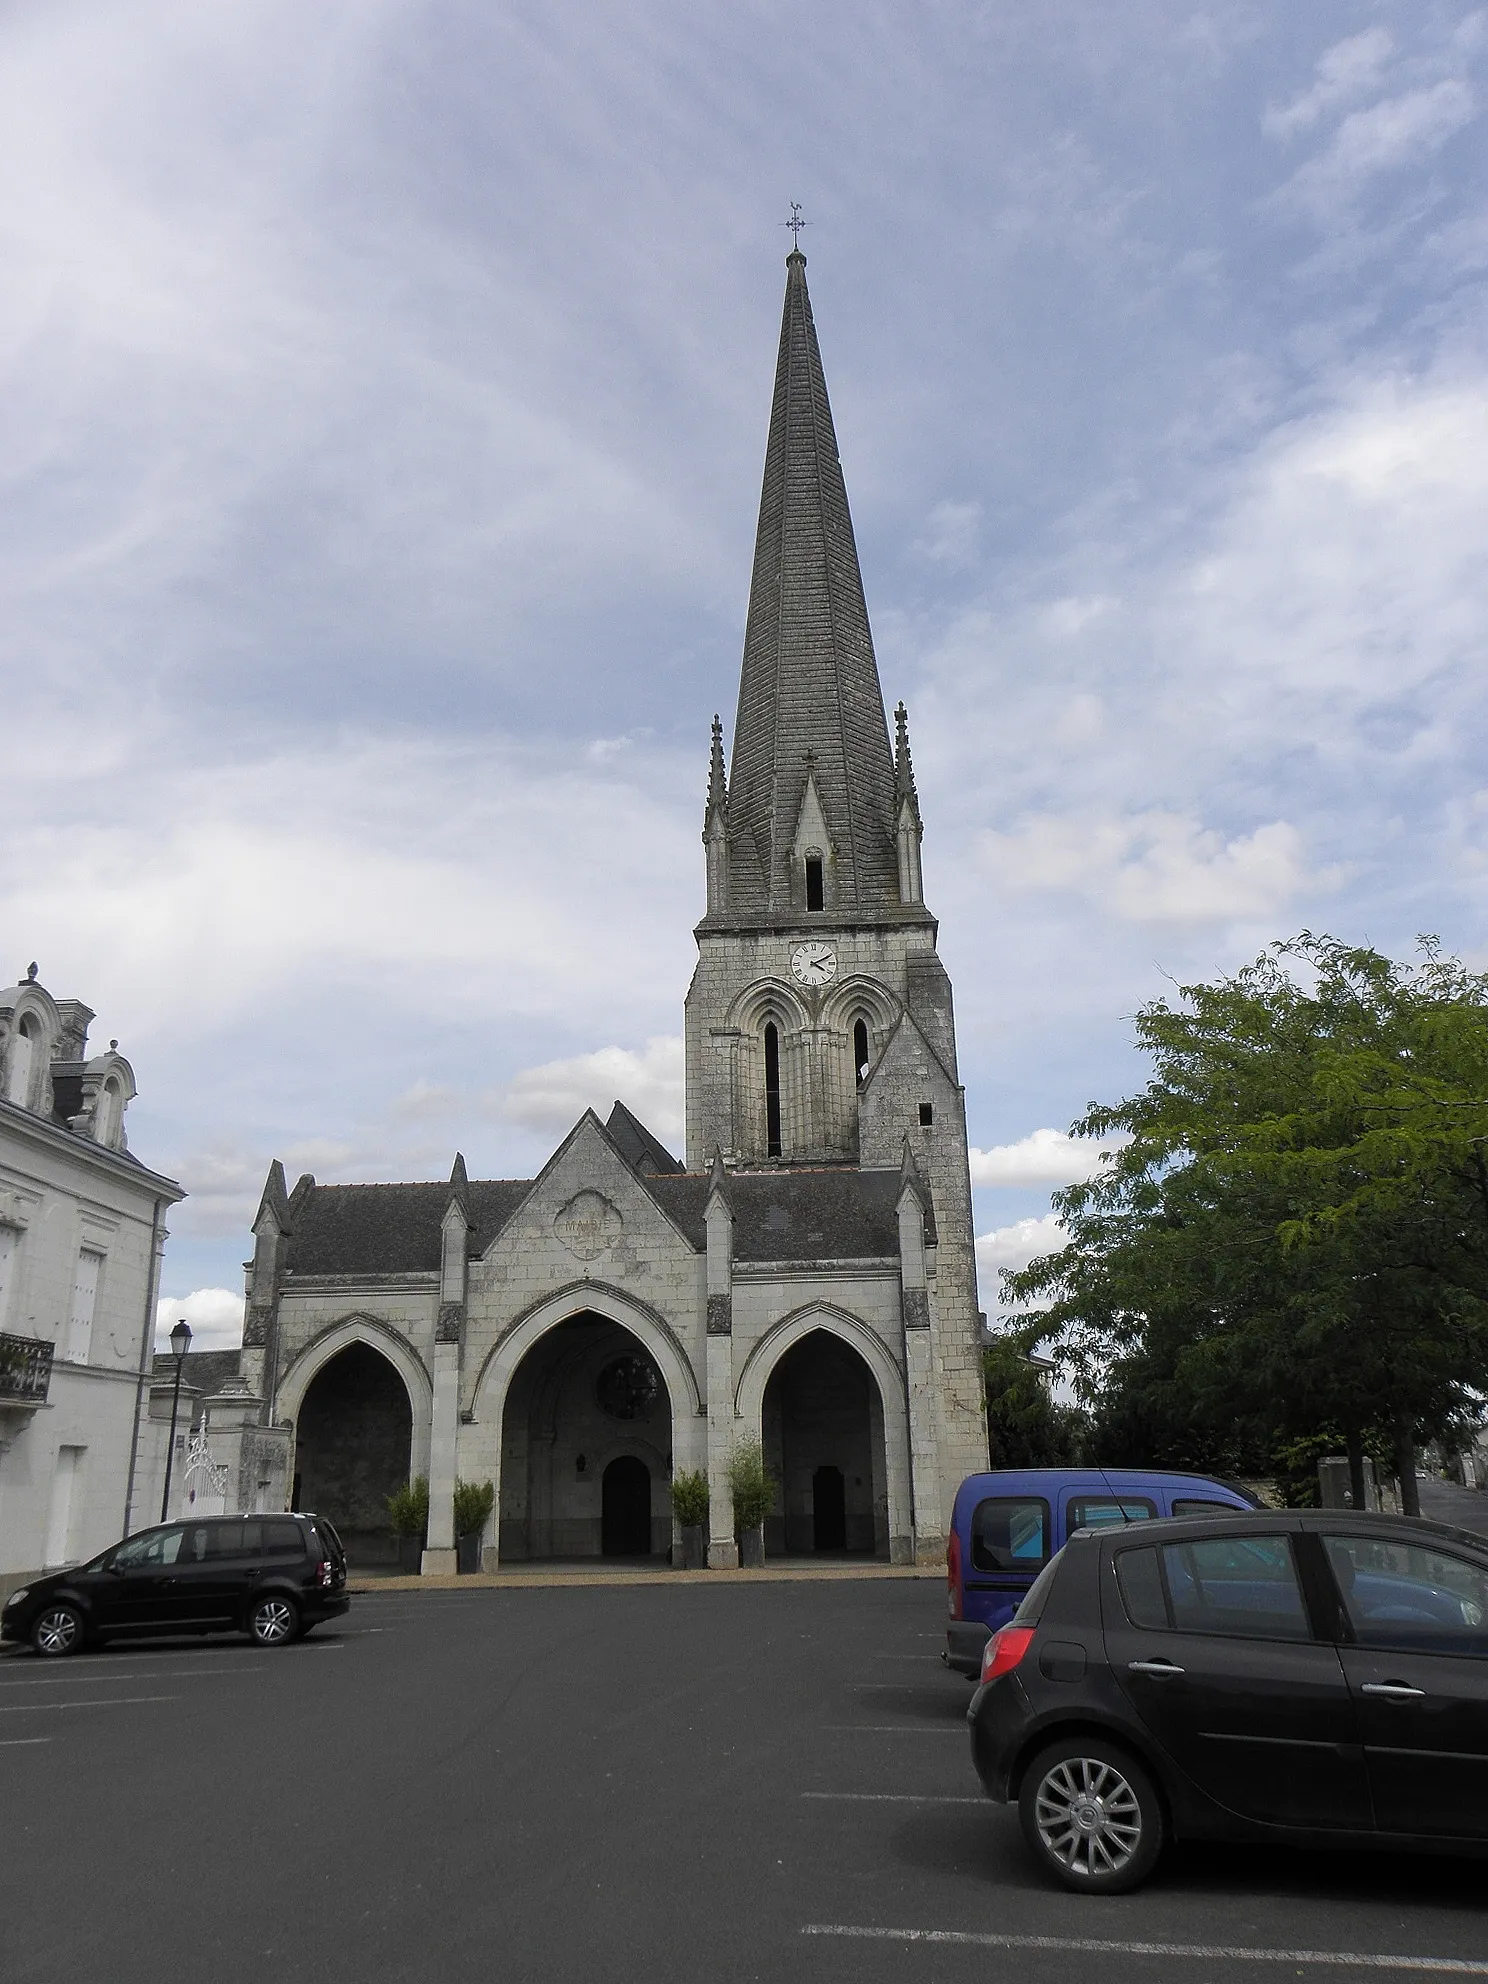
(180, 1343)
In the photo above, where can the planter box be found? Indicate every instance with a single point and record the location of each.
(694, 1547)
(752, 1549)
(468, 1553)
(410, 1555)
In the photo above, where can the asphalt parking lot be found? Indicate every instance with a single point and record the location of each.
(683, 1782)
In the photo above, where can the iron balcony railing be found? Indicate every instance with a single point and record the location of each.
(25, 1370)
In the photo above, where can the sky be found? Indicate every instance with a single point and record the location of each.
(383, 388)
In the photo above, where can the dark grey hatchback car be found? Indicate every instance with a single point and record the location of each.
(1314, 1676)
(272, 1577)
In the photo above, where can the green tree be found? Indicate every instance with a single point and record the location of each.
(1295, 1233)
(1026, 1425)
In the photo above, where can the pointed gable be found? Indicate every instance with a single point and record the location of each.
(809, 694)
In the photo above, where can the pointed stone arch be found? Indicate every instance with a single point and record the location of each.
(311, 1359)
(483, 1436)
(887, 1374)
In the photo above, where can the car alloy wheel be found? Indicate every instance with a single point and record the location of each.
(1092, 1816)
(273, 1621)
(59, 1630)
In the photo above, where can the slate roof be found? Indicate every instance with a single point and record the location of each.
(636, 1145)
(207, 1370)
(809, 682)
(796, 1215)
(392, 1229)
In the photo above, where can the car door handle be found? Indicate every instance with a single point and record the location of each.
(1160, 1668)
(1395, 1691)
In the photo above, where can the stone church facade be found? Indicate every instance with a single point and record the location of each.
(804, 1275)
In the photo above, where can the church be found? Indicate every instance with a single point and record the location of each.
(806, 1276)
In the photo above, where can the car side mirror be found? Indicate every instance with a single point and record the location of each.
(116, 1569)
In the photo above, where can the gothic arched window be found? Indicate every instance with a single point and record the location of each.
(860, 1051)
(772, 1090)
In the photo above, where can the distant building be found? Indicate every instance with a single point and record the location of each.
(807, 1277)
(81, 1233)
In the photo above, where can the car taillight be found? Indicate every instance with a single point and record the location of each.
(1004, 1650)
(953, 1575)
(327, 1572)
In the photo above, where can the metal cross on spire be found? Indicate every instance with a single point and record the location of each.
(795, 224)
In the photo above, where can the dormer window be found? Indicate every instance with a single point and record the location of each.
(816, 897)
(23, 1044)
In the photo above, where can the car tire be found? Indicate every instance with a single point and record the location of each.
(273, 1620)
(58, 1630)
(1092, 1816)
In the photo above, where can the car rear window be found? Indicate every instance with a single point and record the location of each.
(1102, 1511)
(1010, 1533)
(1242, 1587)
(1034, 1599)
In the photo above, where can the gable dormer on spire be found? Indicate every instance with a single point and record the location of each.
(810, 704)
(813, 857)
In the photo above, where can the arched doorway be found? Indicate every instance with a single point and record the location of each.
(586, 1447)
(353, 1443)
(625, 1508)
(823, 1436)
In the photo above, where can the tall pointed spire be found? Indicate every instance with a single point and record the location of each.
(810, 704)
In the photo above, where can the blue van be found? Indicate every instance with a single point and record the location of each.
(1006, 1526)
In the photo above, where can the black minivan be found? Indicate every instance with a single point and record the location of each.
(270, 1576)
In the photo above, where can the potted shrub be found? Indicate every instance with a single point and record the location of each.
(752, 1489)
(408, 1512)
(690, 1507)
(474, 1501)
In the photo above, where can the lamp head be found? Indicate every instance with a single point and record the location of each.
(180, 1338)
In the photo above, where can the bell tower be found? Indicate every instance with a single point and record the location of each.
(817, 948)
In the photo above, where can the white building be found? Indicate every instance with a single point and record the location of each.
(81, 1233)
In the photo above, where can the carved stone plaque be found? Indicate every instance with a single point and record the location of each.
(588, 1224)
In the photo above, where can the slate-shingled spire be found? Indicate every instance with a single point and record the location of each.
(809, 695)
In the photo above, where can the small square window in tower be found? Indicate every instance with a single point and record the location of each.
(815, 885)
(927, 1115)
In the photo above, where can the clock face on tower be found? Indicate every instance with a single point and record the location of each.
(813, 964)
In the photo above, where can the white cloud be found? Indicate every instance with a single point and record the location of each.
(1015, 1246)
(952, 535)
(1044, 1157)
(215, 1316)
(1384, 138)
(550, 1098)
(1154, 867)
(1349, 69)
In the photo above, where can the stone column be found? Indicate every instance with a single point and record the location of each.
(723, 1552)
(928, 1542)
(439, 1551)
(439, 1547)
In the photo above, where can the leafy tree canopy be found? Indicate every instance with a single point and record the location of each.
(1295, 1232)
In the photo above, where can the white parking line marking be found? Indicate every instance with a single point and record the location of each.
(894, 1798)
(1440, 1966)
(895, 1729)
(22, 1742)
(106, 1680)
(115, 1701)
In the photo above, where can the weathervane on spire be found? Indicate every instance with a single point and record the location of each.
(795, 224)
